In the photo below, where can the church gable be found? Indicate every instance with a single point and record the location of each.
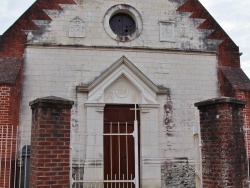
(68, 22)
(86, 24)
(122, 60)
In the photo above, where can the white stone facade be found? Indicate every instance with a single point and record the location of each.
(167, 119)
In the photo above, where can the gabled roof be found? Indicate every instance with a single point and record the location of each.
(237, 78)
(12, 42)
(36, 12)
(9, 69)
(199, 11)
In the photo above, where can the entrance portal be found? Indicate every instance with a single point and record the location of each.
(119, 146)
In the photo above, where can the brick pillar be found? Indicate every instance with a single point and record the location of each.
(223, 149)
(50, 143)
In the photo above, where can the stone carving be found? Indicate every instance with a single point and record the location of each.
(121, 91)
(167, 31)
(77, 28)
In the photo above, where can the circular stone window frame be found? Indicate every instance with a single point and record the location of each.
(125, 9)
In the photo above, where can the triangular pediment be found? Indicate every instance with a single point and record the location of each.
(121, 82)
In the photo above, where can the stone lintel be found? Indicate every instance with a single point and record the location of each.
(220, 100)
(52, 101)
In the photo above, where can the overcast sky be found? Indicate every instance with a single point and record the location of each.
(232, 15)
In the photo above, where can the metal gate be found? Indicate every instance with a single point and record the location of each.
(14, 157)
(119, 159)
(119, 166)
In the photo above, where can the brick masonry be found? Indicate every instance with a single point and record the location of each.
(4, 120)
(10, 99)
(50, 143)
(234, 83)
(245, 95)
(224, 161)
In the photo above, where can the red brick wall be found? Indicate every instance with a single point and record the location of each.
(10, 99)
(5, 99)
(50, 145)
(5, 119)
(9, 118)
(227, 89)
(223, 145)
(10, 105)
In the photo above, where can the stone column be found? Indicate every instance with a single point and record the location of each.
(224, 162)
(50, 143)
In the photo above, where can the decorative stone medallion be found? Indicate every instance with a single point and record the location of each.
(122, 91)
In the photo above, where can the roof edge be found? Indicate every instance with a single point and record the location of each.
(228, 51)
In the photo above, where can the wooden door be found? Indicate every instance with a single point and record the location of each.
(119, 155)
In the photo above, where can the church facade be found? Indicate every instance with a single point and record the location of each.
(134, 71)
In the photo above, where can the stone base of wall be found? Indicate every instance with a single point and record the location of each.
(178, 174)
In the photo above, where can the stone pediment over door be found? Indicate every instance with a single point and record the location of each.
(122, 83)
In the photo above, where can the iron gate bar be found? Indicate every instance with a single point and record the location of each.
(106, 181)
(111, 156)
(121, 177)
(136, 140)
(11, 140)
(129, 134)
